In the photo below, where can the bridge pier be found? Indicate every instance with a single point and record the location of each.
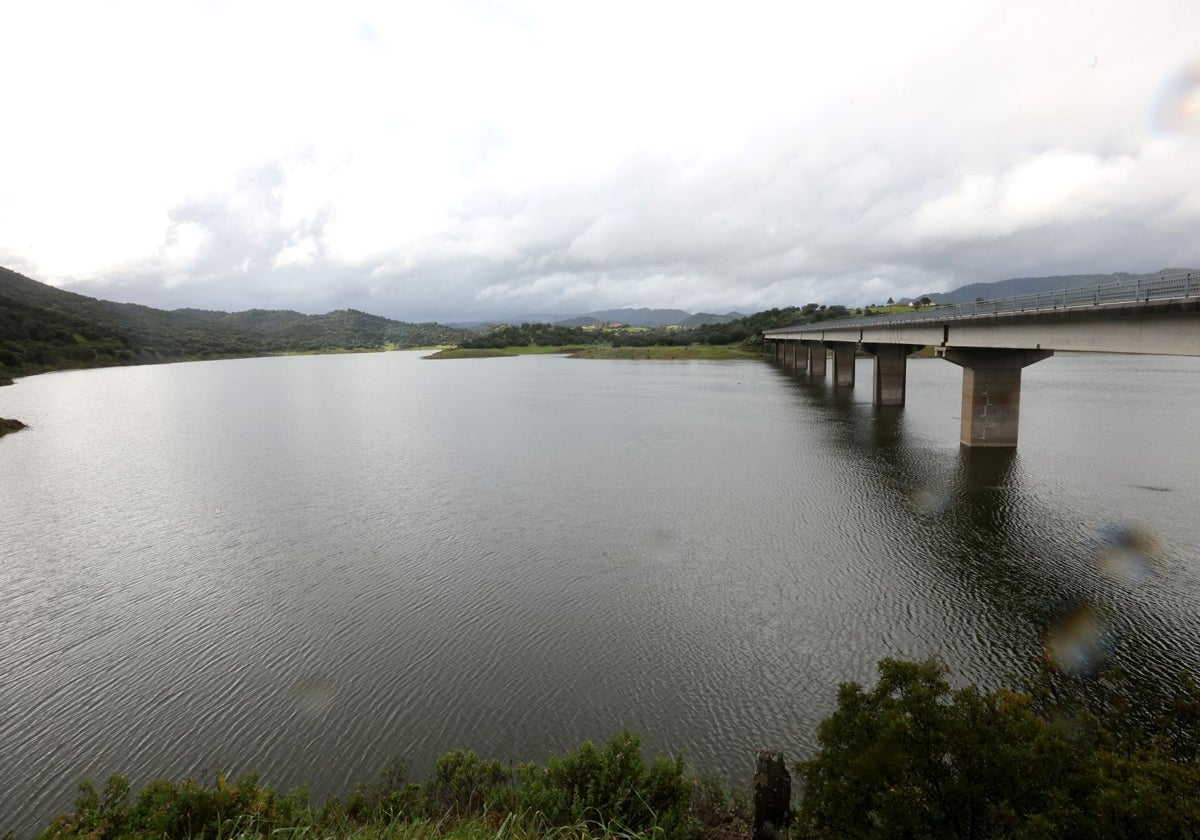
(843, 363)
(816, 358)
(778, 348)
(991, 395)
(891, 371)
(789, 354)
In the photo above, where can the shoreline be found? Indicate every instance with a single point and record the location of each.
(8, 426)
(684, 352)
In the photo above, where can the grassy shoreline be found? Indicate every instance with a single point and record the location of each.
(690, 352)
(609, 790)
(654, 352)
(8, 426)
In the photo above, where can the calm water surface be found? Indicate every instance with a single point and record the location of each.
(306, 566)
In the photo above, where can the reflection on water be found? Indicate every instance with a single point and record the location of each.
(308, 566)
(1091, 589)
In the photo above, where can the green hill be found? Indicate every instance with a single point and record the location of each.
(43, 328)
(1018, 286)
(701, 319)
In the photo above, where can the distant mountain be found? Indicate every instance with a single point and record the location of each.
(632, 317)
(471, 325)
(641, 317)
(1035, 285)
(702, 318)
(44, 328)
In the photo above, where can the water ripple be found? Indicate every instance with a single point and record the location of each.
(307, 566)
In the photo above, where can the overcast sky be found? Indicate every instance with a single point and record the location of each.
(460, 160)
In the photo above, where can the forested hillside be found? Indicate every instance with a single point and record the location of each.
(1035, 285)
(43, 328)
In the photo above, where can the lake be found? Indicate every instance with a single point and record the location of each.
(306, 566)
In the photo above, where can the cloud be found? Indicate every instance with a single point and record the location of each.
(472, 160)
(1053, 187)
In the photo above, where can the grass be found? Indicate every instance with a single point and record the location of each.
(468, 353)
(688, 352)
(498, 352)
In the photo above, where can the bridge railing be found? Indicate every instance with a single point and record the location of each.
(1142, 290)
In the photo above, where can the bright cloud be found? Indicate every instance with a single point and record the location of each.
(1055, 187)
(463, 159)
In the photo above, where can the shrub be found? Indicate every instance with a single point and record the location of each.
(463, 784)
(391, 799)
(611, 786)
(911, 758)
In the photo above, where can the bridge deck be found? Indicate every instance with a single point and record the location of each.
(1160, 315)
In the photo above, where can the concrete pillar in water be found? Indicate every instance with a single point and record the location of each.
(789, 354)
(891, 364)
(843, 364)
(816, 358)
(991, 394)
(772, 797)
(777, 347)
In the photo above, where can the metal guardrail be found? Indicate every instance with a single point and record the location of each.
(1143, 290)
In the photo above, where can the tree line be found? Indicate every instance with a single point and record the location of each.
(746, 330)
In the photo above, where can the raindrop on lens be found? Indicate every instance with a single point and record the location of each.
(1126, 553)
(928, 501)
(1176, 109)
(1076, 640)
(313, 696)
(660, 544)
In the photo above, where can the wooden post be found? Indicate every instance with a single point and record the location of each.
(772, 797)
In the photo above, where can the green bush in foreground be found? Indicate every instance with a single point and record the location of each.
(611, 785)
(1067, 758)
(595, 791)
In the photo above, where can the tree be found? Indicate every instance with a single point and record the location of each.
(911, 758)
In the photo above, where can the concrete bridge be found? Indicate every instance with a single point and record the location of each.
(993, 340)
